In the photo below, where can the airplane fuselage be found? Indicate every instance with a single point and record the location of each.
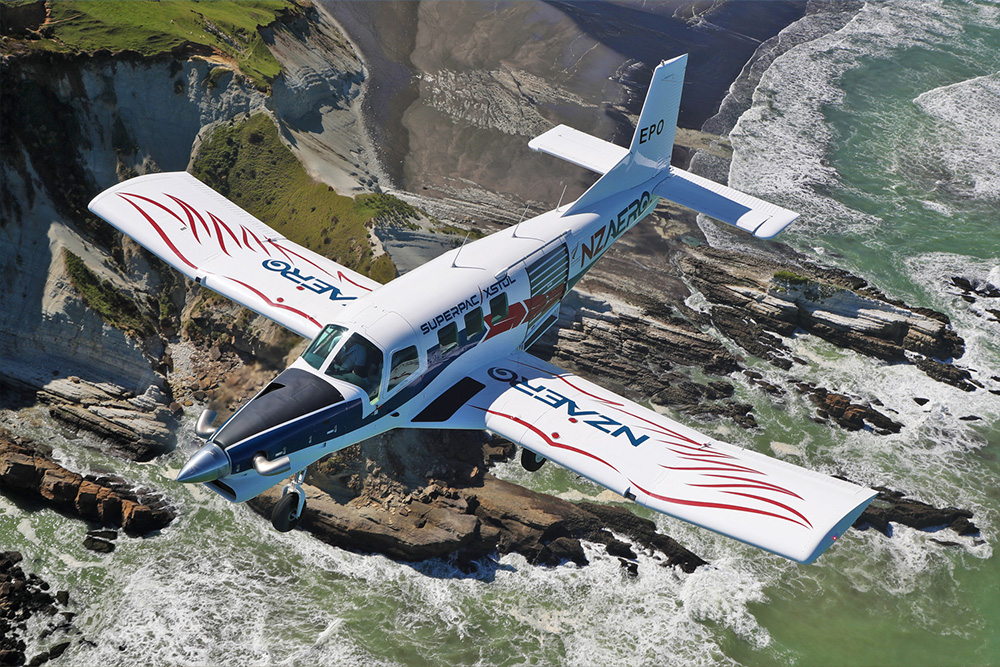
(475, 303)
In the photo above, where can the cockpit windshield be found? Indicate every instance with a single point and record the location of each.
(323, 345)
(359, 362)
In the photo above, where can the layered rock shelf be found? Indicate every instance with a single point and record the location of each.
(27, 469)
(457, 510)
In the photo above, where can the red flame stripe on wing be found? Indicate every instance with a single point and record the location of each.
(274, 304)
(722, 506)
(548, 440)
(192, 213)
(163, 235)
(750, 483)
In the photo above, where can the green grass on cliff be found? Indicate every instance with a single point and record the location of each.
(105, 299)
(152, 28)
(247, 163)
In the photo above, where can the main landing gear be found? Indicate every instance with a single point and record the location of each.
(531, 461)
(288, 511)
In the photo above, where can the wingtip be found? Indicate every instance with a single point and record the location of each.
(775, 224)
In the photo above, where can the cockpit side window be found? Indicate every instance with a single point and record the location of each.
(359, 362)
(405, 363)
(323, 345)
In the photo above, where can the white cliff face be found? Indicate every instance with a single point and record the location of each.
(317, 102)
(46, 331)
(150, 113)
(134, 117)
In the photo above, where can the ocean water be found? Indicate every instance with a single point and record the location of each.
(886, 136)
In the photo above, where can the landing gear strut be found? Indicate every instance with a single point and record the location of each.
(531, 461)
(288, 511)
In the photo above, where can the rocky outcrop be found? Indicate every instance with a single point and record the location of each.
(841, 410)
(27, 469)
(753, 298)
(23, 596)
(454, 509)
(892, 506)
(136, 427)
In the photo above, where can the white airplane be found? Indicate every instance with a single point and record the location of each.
(444, 346)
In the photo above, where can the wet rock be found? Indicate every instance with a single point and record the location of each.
(96, 544)
(23, 596)
(849, 415)
(753, 298)
(947, 373)
(892, 506)
(451, 516)
(28, 469)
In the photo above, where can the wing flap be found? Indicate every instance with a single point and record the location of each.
(661, 464)
(214, 242)
(760, 218)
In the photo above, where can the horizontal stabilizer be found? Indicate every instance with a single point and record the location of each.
(725, 204)
(579, 148)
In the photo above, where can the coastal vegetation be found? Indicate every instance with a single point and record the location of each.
(106, 299)
(247, 162)
(226, 29)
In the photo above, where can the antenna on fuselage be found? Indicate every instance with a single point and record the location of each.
(455, 258)
(514, 235)
(565, 185)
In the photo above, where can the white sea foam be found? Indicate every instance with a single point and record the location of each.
(781, 144)
(969, 132)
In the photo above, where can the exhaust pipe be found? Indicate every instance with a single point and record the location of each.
(271, 468)
(204, 428)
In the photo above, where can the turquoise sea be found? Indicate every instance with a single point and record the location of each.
(886, 135)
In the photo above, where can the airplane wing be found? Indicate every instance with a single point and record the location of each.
(651, 459)
(219, 245)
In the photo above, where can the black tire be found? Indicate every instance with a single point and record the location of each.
(283, 516)
(531, 461)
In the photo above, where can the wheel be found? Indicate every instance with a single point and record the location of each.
(285, 516)
(531, 461)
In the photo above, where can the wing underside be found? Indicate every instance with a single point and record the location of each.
(657, 462)
(219, 245)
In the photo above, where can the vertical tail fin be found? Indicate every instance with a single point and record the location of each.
(653, 141)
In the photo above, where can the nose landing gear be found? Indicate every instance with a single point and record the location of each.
(287, 513)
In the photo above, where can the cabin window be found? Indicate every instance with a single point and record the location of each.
(323, 345)
(359, 362)
(405, 363)
(474, 323)
(498, 308)
(448, 338)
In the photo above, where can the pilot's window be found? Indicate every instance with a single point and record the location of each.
(448, 338)
(498, 308)
(474, 323)
(323, 345)
(359, 362)
(404, 363)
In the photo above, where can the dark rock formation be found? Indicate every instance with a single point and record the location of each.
(852, 416)
(28, 469)
(137, 427)
(754, 298)
(22, 597)
(367, 505)
(893, 506)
